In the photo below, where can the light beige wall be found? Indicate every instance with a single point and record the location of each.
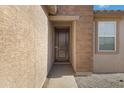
(23, 46)
(111, 62)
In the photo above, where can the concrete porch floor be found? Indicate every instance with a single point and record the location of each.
(61, 76)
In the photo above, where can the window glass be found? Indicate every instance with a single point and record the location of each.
(106, 43)
(106, 35)
(106, 28)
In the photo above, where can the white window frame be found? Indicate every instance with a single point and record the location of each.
(107, 36)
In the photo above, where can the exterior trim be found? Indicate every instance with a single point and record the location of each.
(63, 18)
(74, 45)
(109, 14)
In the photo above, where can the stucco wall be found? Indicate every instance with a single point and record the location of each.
(23, 46)
(111, 62)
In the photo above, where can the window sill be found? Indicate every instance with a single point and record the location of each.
(107, 52)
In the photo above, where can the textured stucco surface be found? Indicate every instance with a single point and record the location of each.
(23, 46)
(104, 63)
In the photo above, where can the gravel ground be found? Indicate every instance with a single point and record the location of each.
(101, 81)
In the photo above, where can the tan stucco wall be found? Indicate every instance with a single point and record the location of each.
(111, 62)
(23, 46)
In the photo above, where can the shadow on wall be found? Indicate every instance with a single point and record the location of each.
(50, 47)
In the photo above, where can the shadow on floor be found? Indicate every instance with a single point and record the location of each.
(59, 70)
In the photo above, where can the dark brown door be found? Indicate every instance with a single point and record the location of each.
(61, 45)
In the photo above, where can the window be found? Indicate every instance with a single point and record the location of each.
(107, 36)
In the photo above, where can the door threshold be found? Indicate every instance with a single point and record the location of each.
(62, 63)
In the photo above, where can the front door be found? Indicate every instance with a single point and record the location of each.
(61, 45)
